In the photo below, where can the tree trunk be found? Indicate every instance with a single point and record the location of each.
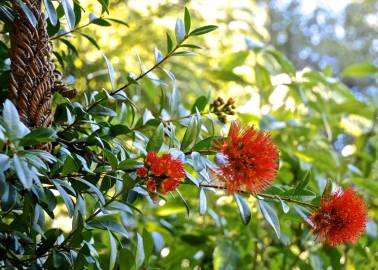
(32, 71)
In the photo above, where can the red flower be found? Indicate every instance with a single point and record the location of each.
(250, 159)
(169, 184)
(341, 217)
(166, 173)
(151, 185)
(141, 172)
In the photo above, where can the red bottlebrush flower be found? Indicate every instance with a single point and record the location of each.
(169, 184)
(151, 158)
(165, 171)
(141, 172)
(250, 159)
(341, 218)
(151, 185)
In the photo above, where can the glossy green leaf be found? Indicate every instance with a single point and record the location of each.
(270, 215)
(203, 30)
(187, 20)
(244, 210)
(157, 139)
(51, 11)
(69, 13)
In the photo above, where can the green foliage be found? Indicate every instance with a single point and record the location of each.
(82, 206)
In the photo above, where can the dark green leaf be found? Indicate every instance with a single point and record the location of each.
(22, 171)
(103, 111)
(101, 22)
(244, 210)
(91, 40)
(200, 104)
(38, 136)
(203, 30)
(104, 223)
(118, 21)
(169, 43)
(190, 135)
(187, 20)
(157, 139)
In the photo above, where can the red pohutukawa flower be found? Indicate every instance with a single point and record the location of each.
(164, 172)
(249, 159)
(341, 217)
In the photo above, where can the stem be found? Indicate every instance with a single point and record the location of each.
(267, 196)
(71, 31)
(141, 76)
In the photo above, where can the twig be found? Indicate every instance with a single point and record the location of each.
(267, 196)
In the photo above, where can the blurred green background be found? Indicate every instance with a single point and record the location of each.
(304, 70)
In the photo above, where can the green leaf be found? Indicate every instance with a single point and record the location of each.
(233, 60)
(103, 111)
(51, 11)
(328, 188)
(66, 198)
(38, 136)
(203, 30)
(360, 70)
(270, 215)
(113, 251)
(28, 13)
(226, 256)
(169, 43)
(187, 20)
(202, 202)
(14, 128)
(110, 72)
(101, 22)
(158, 56)
(104, 223)
(200, 104)
(179, 30)
(118, 21)
(70, 14)
(111, 158)
(157, 139)
(91, 40)
(94, 190)
(22, 171)
(4, 163)
(245, 212)
(303, 182)
(147, 116)
(282, 61)
(190, 135)
(148, 244)
(184, 201)
(139, 254)
(126, 260)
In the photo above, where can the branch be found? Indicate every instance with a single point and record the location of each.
(127, 85)
(267, 196)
